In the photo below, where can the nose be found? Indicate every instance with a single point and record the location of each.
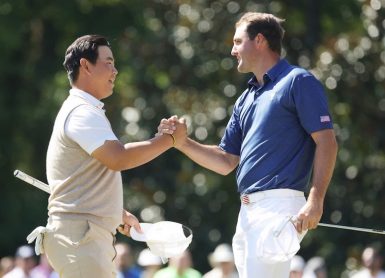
(233, 51)
(115, 71)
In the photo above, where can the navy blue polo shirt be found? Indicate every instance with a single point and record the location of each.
(270, 129)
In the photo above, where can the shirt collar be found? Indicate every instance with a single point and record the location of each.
(271, 74)
(276, 70)
(87, 97)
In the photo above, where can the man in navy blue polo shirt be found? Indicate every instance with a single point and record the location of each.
(280, 136)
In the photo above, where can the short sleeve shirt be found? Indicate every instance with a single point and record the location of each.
(271, 126)
(88, 125)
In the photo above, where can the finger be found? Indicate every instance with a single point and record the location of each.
(137, 227)
(123, 229)
(312, 225)
(305, 225)
(298, 226)
(166, 126)
(164, 121)
(182, 120)
(167, 131)
(298, 223)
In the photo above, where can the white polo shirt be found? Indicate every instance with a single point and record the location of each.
(88, 125)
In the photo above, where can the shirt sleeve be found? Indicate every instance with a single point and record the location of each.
(232, 139)
(89, 127)
(311, 104)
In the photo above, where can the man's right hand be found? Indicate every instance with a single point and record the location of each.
(175, 126)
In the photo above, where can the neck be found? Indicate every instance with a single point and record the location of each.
(268, 61)
(86, 88)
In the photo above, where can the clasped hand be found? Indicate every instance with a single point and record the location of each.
(174, 126)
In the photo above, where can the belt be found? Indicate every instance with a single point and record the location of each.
(273, 193)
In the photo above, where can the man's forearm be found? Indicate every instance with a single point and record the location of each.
(209, 156)
(324, 163)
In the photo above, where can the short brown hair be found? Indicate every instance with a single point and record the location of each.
(266, 24)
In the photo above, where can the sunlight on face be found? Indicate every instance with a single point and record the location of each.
(104, 72)
(243, 49)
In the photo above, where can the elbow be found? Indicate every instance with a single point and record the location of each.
(225, 170)
(229, 164)
(118, 164)
(115, 167)
(225, 173)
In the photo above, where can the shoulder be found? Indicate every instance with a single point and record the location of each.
(298, 73)
(303, 80)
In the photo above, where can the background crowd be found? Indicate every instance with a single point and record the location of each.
(141, 263)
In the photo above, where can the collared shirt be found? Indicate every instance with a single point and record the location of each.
(87, 125)
(270, 129)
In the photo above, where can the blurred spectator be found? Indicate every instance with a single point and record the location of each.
(372, 264)
(222, 263)
(25, 261)
(315, 268)
(149, 262)
(179, 267)
(43, 269)
(297, 266)
(6, 265)
(351, 266)
(125, 262)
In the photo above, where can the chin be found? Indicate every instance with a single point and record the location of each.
(241, 70)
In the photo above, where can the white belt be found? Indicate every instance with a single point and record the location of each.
(38, 235)
(273, 193)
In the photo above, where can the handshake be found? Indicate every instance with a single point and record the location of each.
(176, 128)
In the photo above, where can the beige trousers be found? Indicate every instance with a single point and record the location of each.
(80, 249)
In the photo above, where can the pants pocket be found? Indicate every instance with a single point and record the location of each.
(75, 235)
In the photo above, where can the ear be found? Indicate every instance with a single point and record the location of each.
(84, 64)
(259, 38)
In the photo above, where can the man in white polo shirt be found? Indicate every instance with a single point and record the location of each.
(84, 161)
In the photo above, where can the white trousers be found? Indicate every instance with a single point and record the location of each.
(252, 219)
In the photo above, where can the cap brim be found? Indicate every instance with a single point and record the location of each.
(141, 236)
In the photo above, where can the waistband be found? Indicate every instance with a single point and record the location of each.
(273, 193)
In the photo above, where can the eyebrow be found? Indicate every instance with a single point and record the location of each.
(109, 58)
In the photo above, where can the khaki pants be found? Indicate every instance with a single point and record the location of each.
(80, 249)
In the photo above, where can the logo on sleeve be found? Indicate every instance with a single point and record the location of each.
(325, 119)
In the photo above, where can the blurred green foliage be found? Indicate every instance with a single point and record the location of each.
(173, 57)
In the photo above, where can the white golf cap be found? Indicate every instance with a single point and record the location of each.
(165, 239)
(221, 254)
(25, 252)
(147, 258)
(297, 264)
(278, 241)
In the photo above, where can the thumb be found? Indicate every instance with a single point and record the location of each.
(137, 227)
(182, 120)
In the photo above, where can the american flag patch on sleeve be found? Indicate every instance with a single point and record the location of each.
(324, 119)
